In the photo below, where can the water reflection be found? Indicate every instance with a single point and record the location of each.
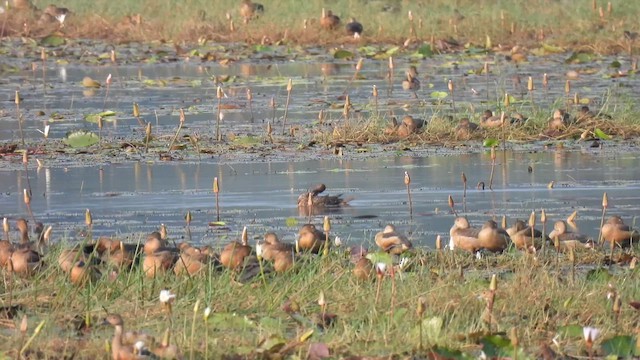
(138, 197)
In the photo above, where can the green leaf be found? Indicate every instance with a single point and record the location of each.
(264, 48)
(52, 40)
(495, 346)
(106, 116)
(439, 95)
(490, 142)
(291, 222)
(247, 140)
(425, 50)
(551, 49)
(80, 138)
(392, 50)
(579, 58)
(433, 328)
(217, 223)
(572, 330)
(601, 135)
(622, 346)
(343, 54)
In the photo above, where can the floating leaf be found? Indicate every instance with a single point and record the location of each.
(217, 223)
(80, 138)
(247, 140)
(90, 83)
(425, 50)
(490, 142)
(601, 135)
(551, 49)
(291, 222)
(579, 58)
(439, 95)
(495, 346)
(263, 48)
(343, 54)
(106, 116)
(622, 346)
(228, 321)
(52, 40)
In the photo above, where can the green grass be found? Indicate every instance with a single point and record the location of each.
(537, 297)
(565, 23)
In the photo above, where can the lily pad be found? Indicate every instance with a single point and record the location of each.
(622, 346)
(81, 138)
(53, 40)
(572, 330)
(93, 118)
(490, 142)
(343, 54)
(425, 50)
(380, 257)
(439, 95)
(601, 134)
(291, 222)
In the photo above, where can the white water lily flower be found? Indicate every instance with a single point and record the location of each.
(337, 241)
(259, 250)
(590, 333)
(381, 268)
(452, 246)
(46, 131)
(166, 296)
(207, 313)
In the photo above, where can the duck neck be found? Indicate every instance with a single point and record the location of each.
(24, 236)
(116, 342)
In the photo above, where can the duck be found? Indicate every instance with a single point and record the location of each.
(615, 231)
(465, 129)
(283, 261)
(157, 258)
(493, 238)
(272, 246)
(6, 249)
(389, 240)
(363, 269)
(354, 28)
(409, 126)
(559, 121)
(329, 21)
(52, 14)
(520, 234)
(118, 254)
(193, 260)
(311, 239)
(411, 82)
(69, 257)
(22, 5)
(120, 350)
(81, 273)
(463, 236)
(233, 255)
(24, 261)
(489, 120)
(568, 239)
(166, 350)
(317, 201)
(249, 10)
(23, 228)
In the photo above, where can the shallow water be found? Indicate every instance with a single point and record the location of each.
(318, 82)
(135, 198)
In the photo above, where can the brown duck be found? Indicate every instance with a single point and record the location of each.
(391, 241)
(329, 21)
(321, 201)
(234, 254)
(311, 239)
(520, 234)
(249, 10)
(615, 231)
(568, 239)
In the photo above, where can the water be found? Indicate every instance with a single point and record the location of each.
(136, 198)
(162, 89)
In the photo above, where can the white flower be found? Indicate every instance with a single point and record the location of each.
(166, 296)
(452, 246)
(139, 347)
(337, 241)
(207, 312)
(259, 250)
(109, 79)
(46, 131)
(381, 268)
(590, 334)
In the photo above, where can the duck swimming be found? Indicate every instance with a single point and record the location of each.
(321, 201)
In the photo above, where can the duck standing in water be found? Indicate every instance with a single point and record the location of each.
(318, 201)
(411, 83)
(389, 240)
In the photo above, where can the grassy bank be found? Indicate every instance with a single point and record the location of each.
(575, 25)
(539, 305)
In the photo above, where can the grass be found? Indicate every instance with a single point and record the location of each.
(535, 296)
(562, 23)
